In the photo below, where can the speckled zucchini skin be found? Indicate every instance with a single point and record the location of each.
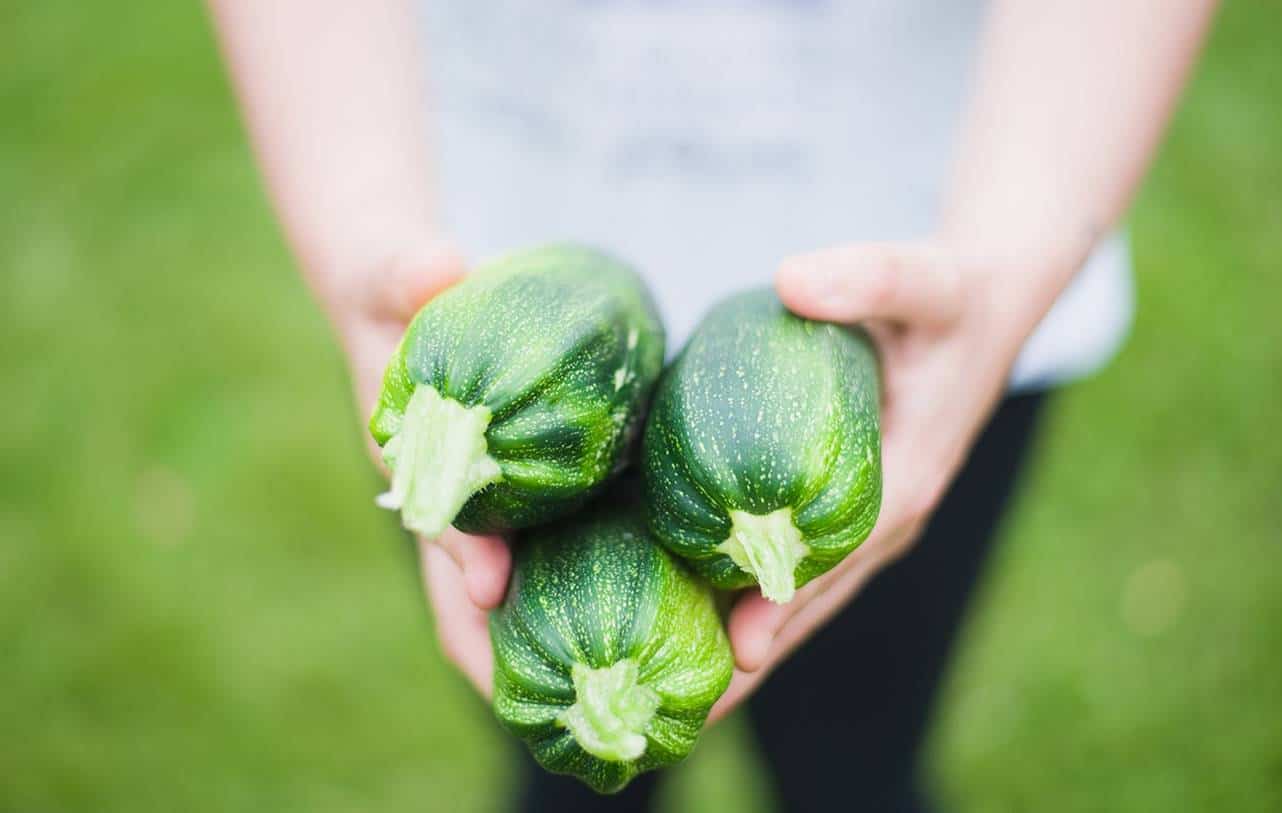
(765, 410)
(595, 589)
(563, 345)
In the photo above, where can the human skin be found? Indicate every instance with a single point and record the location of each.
(1068, 105)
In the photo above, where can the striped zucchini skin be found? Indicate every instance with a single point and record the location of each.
(765, 412)
(562, 344)
(595, 592)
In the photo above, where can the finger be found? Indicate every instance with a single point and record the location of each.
(762, 633)
(461, 627)
(404, 284)
(809, 617)
(752, 626)
(484, 563)
(755, 621)
(384, 303)
(899, 282)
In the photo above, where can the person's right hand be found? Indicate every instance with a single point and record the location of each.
(370, 307)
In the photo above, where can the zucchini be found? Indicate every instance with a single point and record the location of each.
(762, 455)
(515, 394)
(608, 654)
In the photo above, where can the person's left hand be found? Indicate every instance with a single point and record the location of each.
(947, 328)
(371, 302)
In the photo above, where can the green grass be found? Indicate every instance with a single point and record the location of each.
(200, 608)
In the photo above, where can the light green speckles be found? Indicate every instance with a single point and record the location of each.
(769, 547)
(438, 460)
(610, 712)
(626, 372)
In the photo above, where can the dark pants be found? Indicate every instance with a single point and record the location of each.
(848, 712)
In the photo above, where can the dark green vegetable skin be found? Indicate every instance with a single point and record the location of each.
(558, 349)
(608, 654)
(773, 417)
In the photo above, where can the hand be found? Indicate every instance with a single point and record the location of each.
(948, 328)
(465, 576)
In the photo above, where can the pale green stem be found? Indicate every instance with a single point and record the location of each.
(769, 547)
(610, 712)
(438, 461)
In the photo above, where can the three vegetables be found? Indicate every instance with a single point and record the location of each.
(513, 398)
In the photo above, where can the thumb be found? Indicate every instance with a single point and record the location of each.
(402, 285)
(373, 319)
(898, 282)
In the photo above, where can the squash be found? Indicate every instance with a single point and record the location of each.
(762, 455)
(608, 654)
(515, 394)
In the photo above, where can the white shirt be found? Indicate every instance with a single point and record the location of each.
(704, 141)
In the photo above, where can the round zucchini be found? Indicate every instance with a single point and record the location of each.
(515, 394)
(608, 654)
(762, 454)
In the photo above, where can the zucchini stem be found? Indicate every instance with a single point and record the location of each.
(611, 711)
(438, 460)
(769, 547)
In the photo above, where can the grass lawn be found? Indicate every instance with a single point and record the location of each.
(201, 610)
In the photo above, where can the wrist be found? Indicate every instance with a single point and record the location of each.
(1015, 276)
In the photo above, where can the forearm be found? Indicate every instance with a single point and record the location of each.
(1070, 100)
(333, 99)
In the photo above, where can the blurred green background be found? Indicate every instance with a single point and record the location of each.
(201, 609)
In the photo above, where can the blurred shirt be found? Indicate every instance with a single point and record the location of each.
(704, 141)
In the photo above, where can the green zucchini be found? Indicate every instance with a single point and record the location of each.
(608, 654)
(762, 454)
(515, 394)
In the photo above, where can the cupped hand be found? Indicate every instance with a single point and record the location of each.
(465, 576)
(947, 328)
